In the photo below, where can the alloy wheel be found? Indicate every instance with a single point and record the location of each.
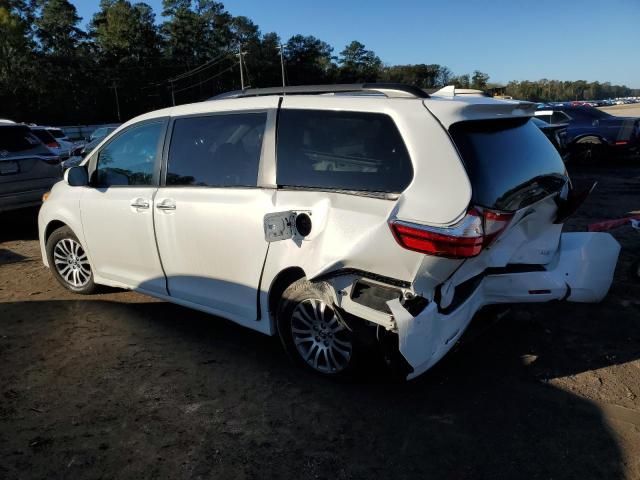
(71, 262)
(320, 336)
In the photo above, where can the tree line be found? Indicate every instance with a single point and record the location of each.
(125, 63)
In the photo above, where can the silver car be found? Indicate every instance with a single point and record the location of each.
(28, 168)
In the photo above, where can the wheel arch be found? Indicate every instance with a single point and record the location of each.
(51, 227)
(600, 138)
(279, 284)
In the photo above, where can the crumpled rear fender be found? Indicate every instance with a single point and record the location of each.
(582, 271)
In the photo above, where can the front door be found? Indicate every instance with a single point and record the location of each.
(210, 210)
(117, 210)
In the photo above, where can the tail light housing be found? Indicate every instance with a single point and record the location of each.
(53, 145)
(466, 239)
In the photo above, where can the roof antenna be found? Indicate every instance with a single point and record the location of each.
(281, 48)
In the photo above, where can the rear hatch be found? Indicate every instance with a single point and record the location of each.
(517, 176)
(510, 162)
(26, 164)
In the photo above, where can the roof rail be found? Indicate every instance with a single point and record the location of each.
(388, 89)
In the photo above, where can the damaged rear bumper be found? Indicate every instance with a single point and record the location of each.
(581, 271)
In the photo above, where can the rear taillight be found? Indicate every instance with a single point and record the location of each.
(53, 145)
(477, 230)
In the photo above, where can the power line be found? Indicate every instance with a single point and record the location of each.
(206, 80)
(207, 64)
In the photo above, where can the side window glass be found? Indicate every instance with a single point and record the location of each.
(216, 150)
(546, 118)
(559, 117)
(341, 151)
(130, 158)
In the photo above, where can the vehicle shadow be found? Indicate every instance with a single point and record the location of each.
(19, 224)
(96, 388)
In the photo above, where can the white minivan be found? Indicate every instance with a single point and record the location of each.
(344, 218)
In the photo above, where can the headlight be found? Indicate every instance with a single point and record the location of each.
(45, 196)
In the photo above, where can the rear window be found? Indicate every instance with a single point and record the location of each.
(510, 162)
(44, 136)
(352, 151)
(20, 140)
(56, 132)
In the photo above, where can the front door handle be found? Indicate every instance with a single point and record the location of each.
(139, 203)
(166, 204)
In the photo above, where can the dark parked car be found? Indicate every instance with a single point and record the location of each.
(28, 168)
(592, 132)
(78, 154)
(557, 134)
(96, 137)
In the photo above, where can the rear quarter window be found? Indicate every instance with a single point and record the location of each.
(20, 140)
(510, 162)
(338, 150)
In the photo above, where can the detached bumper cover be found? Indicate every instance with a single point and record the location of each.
(581, 271)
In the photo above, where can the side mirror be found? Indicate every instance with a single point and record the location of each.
(77, 176)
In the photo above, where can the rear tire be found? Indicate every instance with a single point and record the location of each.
(313, 333)
(69, 262)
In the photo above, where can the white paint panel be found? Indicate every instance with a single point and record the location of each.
(213, 247)
(120, 237)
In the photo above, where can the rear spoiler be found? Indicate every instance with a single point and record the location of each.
(454, 109)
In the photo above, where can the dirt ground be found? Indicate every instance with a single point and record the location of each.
(118, 385)
(629, 110)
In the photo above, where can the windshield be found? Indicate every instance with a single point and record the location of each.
(20, 140)
(510, 162)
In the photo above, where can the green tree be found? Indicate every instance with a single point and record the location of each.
(444, 77)
(195, 31)
(309, 60)
(461, 81)
(129, 56)
(56, 27)
(126, 31)
(357, 64)
(16, 58)
(479, 80)
(421, 75)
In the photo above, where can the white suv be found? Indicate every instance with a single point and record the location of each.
(342, 218)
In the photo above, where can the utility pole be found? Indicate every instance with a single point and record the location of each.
(281, 48)
(115, 89)
(240, 56)
(173, 95)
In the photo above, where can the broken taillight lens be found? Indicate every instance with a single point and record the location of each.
(477, 230)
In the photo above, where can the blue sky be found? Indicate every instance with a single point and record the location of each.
(510, 40)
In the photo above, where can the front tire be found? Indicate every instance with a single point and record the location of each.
(69, 262)
(313, 333)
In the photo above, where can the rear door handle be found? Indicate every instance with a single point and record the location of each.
(139, 203)
(166, 204)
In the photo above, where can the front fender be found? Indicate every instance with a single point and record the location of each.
(62, 206)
